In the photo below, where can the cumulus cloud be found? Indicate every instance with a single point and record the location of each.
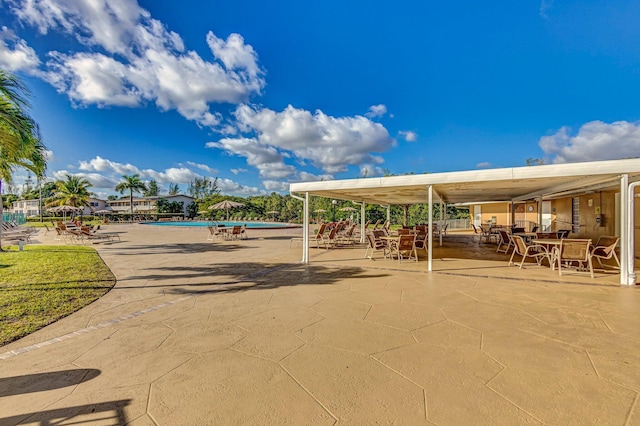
(376, 111)
(203, 167)
(133, 59)
(227, 186)
(594, 141)
(15, 54)
(275, 185)
(239, 170)
(408, 135)
(371, 170)
(98, 180)
(329, 143)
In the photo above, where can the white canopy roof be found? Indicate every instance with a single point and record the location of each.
(509, 184)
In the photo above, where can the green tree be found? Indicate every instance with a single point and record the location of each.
(72, 191)
(152, 189)
(20, 139)
(174, 189)
(192, 210)
(132, 184)
(203, 188)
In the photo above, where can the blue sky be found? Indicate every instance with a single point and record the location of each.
(261, 94)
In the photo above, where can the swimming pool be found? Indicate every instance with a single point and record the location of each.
(250, 225)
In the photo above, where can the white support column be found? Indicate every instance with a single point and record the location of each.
(362, 221)
(540, 214)
(631, 226)
(389, 213)
(429, 233)
(305, 226)
(624, 232)
(441, 222)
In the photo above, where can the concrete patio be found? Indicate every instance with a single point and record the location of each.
(239, 332)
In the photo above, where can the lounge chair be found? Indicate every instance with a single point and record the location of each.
(320, 234)
(605, 249)
(535, 251)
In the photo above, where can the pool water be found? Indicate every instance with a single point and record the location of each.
(250, 225)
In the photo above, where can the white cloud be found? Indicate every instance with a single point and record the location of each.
(267, 159)
(276, 185)
(15, 54)
(237, 171)
(330, 143)
(595, 140)
(545, 5)
(100, 164)
(484, 165)
(96, 179)
(227, 186)
(140, 59)
(203, 167)
(371, 170)
(310, 177)
(376, 111)
(408, 135)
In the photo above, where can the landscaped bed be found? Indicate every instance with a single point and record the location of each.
(42, 284)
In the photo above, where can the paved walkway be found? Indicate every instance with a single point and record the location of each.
(238, 332)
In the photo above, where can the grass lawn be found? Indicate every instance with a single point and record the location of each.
(42, 284)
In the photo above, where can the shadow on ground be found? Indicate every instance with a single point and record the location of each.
(248, 275)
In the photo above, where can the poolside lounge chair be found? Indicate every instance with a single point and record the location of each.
(319, 235)
(535, 251)
(331, 238)
(605, 249)
(235, 232)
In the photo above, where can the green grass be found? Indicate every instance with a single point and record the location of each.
(42, 284)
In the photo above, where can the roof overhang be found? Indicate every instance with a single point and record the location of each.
(491, 185)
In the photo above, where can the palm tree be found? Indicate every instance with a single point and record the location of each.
(131, 184)
(73, 191)
(20, 140)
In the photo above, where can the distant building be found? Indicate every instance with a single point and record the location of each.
(144, 205)
(30, 207)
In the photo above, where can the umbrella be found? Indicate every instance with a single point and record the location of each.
(64, 209)
(226, 205)
(105, 211)
(348, 209)
(273, 212)
(320, 211)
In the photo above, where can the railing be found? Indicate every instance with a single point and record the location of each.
(19, 218)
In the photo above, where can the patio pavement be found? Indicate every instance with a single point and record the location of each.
(238, 332)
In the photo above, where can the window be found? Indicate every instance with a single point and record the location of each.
(575, 215)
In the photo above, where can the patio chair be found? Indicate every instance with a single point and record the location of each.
(605, 249)
(243, 232)
(346, 237)
(487, 233)
(504, 239)
(421, 240)
(535, 251)
(563, 233)
(235, 232)
(212, 233)
(375, 245)
(574, 251)
(405, 248)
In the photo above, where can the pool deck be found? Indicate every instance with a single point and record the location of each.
(239, 332)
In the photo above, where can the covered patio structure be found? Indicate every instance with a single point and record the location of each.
(518, 184)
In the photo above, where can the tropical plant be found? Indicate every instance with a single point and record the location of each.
(72, 191)
(20, 140)
(203, 188)
(174, 189)
(152, 189)
(192, 210)
(132, 184)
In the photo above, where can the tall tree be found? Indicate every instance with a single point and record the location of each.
(203, 188)
(174, 189)
(132, 184)
(20, 139)
(152, 189)
(72, 191)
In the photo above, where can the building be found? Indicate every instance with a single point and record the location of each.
(147, 205)
(30, 207)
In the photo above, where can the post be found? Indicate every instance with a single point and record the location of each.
(631, 249)
(624, 231)
(429, 233)
(362, 220)
(333, 204)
